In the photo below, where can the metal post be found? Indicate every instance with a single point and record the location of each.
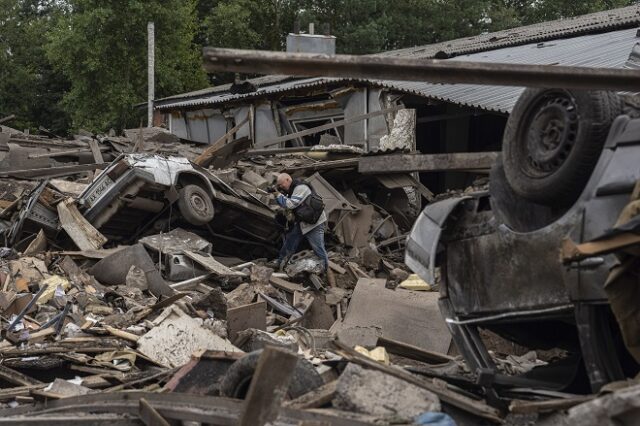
(150, 72)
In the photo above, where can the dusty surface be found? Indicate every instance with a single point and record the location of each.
(408, 316)
(372, 392)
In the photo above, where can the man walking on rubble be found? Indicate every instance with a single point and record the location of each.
(310, 218)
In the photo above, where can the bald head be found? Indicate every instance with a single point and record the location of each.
(284, 181)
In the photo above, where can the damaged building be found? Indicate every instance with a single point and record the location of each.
(444, 118)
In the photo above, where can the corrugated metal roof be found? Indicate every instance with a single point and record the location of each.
(493, 42)
(258, 82)
(261, 92)
(606, 50)
(594, 22)
(607, 20)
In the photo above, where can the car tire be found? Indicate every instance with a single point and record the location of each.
(236, 381)
(553, 139)
(195, 205)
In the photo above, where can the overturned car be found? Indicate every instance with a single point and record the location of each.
(569, 164)
(142, 193)
(146, 184)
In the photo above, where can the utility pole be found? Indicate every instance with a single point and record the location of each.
(150, 72)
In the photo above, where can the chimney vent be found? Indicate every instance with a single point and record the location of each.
(311, 42)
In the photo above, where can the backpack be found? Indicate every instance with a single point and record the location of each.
(310, 210)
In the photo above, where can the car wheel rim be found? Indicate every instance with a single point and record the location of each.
(550, 135)
(199, 205)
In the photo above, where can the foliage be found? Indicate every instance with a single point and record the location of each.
(101, 46)
(547, 10)
(29, 87)
(249, 24)
(82, 63)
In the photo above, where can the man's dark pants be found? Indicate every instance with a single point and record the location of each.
(315, 237)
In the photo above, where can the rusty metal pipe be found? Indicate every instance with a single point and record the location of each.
(425, 70)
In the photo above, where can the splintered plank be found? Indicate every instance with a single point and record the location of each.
(15, 377)
(95, 150)
(149, 415)
(208, 154)
(316, 398)
(83, 234)
(413, 352)
(268, 386)
(39, 244)
(478, 408)
(571, 251)
(78, 276)
(285, 285)
(253, 315)
(405, 163)
(211, 264)
(12, 393)
(528, 407)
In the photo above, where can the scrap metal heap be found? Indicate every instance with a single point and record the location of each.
(118, 306)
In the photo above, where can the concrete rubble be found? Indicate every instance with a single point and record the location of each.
(359, 390)
(96, 303)
(133, 301)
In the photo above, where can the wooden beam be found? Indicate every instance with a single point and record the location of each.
(65, 153)
(208, 154)
(268, 386)
(7, 118)
(15, 377)
(52, 171)
(346, 163)
(315, 398)
(11, 393)
(328, 126)
(274, 151)
(477, 407)
(83, 234)
(420, 69)
(406, 163)
(285, 285)
(529, 407)
(122, 334)
(150, 415)
(95, 150)
(572, 252)
(413, 352)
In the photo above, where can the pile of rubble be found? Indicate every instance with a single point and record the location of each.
(116, 305)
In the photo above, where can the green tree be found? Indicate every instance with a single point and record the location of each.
(231, 24)
(370, 26)
(29, 87)
(248, 24)
(100, 45)
(82, 63)
(359, 26)
(547, 10)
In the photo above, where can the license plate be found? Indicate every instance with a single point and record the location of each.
(97, 192)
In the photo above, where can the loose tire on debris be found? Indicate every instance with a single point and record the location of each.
(195, 205)
(553, 140)
(236, 381)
